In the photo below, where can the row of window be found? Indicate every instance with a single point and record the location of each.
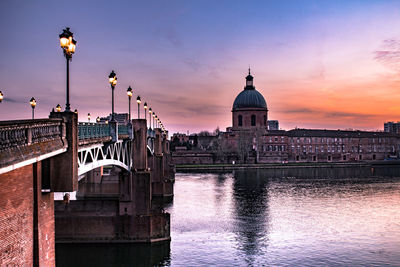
(253, 120)
(344, 157)
(334, 140)
(342, 148)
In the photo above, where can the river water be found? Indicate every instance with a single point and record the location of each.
(283, 217)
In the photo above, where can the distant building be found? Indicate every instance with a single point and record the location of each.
(392, 127)
(273, 125)
(254, 139)
(180, 137)
(121, 118)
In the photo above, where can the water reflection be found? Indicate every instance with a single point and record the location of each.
(250, 194)
(112, 255)
(274, 217)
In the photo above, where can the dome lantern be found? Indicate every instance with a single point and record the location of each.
(249, 82)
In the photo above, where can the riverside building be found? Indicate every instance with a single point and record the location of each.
(253, 138)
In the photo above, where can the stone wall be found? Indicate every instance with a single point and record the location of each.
(26, 219)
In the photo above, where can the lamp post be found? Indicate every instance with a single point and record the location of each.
(76, 111)
(88, 117)
(145, 111)
(68, 44)
(98, 119)
(138, 106)
(150, 112)
(112, 79)
(154, 116)
(58, 108)
(33, 105)
(129, 93)
(1, 96)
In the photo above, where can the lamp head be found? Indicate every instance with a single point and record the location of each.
(32, 102)
(112, 78)
(129, 92)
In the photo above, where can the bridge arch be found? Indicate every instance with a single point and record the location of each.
(103, 154)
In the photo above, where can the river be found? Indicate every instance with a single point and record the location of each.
(279, 217)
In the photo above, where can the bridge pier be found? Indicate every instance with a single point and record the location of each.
(64, 167)
(162, 180)
(127, 216)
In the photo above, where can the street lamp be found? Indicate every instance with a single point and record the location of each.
(98, 119)
(112, 79)
(33, 105)
(68, 45)
(154, 116)
(138, 106)
(129, 93)
(88, 117)
(76, 111)
(150, 112)
(145, 111)
(1, 96)
(58, 108)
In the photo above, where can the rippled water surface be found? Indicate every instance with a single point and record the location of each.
(292, 217)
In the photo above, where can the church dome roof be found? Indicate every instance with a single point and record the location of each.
(249, 97)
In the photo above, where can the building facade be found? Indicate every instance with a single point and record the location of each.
(260, 141)
(255, 139)
(392, 127)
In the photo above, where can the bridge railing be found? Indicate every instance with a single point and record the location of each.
(27, 132)
(123, 129)
(87, 130)
(151, 133)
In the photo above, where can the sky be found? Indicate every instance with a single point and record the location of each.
(319, 64)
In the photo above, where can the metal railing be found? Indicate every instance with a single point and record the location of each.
(27, 132)
(151, 133)
(87, 130)
(122, 129)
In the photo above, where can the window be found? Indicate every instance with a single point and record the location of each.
(240, 120)
(253, 120)
(265, 120)
(344, 157)
(314, 158)
(374, 157)
(329, 158)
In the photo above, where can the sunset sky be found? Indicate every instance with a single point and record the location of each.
(319, 64)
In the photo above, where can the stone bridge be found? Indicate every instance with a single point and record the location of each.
(44, 156)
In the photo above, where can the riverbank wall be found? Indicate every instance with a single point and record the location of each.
(232, 167)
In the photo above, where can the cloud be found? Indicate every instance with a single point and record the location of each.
(389, 55)
(329, 114)
(12, 100)
(299, 110)
(192, 63)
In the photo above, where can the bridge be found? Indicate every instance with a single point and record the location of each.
(57, 155)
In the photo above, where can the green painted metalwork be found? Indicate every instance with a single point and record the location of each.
(87, 130)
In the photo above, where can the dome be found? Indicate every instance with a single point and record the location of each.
(249, 99)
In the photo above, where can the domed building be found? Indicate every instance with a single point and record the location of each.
(249, 109)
